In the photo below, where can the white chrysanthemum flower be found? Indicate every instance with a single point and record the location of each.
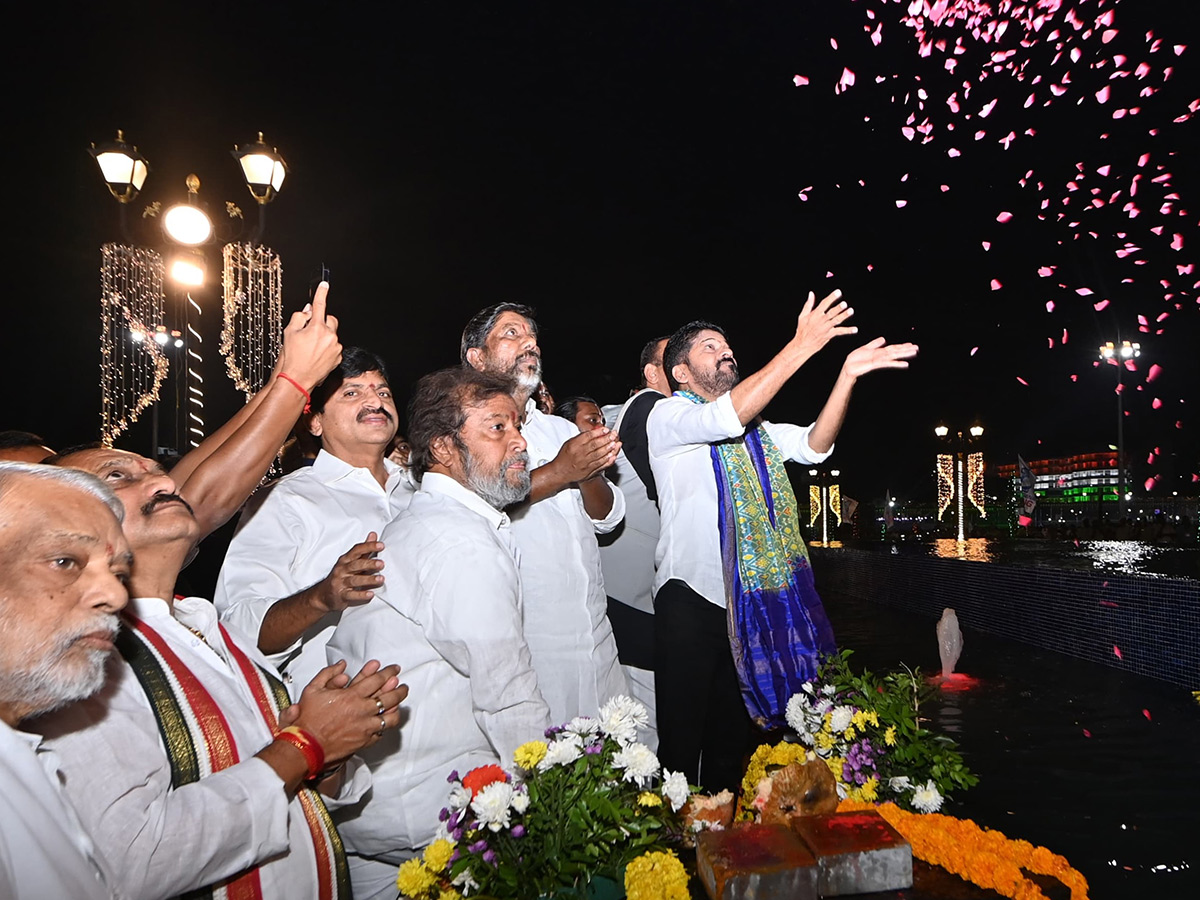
(442, 833)
(638, 761)
(621, 717)
(459, 797)
(465, 883)
(843, 792)
(828, 690)
(807, 687)
(566, 749)
(796, 713)
(519, 802)
(899, 784)
(584, 726)
(491, 805)
(822, 707)
(841, 718)
(675, 789)
(927, 799)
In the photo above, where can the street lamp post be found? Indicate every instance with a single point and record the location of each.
(825, 497)
(1120, 357)
(960, 475)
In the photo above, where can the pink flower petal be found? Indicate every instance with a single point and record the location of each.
(1146, 713)
(987, 245)
(1156, 404)
(1083, 292)
(1023, 381)
(1177, 244)
(1102, 95)
(1117, 651)
(1004, 217)
(799, 80)
(1049, 306)
(974, 350)
(1153, 373)
(1099, 306)
(900, 204)
(996, 285)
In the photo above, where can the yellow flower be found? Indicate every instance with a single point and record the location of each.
(859, 719)
(437, 855)
(649, 798)
(529, 754)
(870, 789)
(849, 732)
(449, 894)
(889, 736)
(415, 880)
(823, 741)
(873, 718)
(656, 876)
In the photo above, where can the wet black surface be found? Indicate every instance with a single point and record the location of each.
(1123, 805)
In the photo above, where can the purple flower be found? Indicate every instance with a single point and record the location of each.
(489, 857)
(593, 749)
(452, 777)
(456, 833)
(552, 731)
(478, 847)
(518, 831)
(443, 815)
(455, 855)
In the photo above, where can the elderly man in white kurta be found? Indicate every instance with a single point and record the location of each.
(304, 548)
(63, 562)
(451, 610)
(566, 620)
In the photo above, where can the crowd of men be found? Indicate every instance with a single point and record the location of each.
(522, 563)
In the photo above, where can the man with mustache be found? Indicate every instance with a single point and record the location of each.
(738, 624)
(189, 767)
(63, 567)
(566, 621)
(306, 546)
(452, 610)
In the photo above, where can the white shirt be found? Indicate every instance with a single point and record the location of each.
(450, 613)
(680, 433)
(566, 610)
(628, 559)
(44, 851)
(165, 841)
(290, 536)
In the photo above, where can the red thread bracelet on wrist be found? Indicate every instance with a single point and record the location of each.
(292, 381)
(314, 753)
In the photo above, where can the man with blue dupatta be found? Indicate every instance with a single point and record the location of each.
(739, 625)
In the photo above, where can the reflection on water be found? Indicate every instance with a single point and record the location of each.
(1117, 557)
(974, 549)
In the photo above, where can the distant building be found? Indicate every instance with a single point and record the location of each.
(1082, 483)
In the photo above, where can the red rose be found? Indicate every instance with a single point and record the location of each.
(477, 779)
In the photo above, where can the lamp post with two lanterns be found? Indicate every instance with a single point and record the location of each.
(134, 330)
(824, 499)
(1120, 356)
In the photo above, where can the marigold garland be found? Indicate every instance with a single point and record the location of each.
(982, 856)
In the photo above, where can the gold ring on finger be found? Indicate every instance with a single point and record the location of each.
(382, 726)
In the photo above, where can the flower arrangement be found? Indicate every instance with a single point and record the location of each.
(588, 802)
(868, 731)
(982, 856)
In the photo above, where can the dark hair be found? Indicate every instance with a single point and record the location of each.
(439, 405)
(680, 344)
(355, 361)
(12, 440)
(649, 352)
(569, 408)
(482, 323)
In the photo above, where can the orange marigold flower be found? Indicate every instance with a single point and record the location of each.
(477, 779)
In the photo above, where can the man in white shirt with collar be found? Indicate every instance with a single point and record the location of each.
(566, 621)
(451, 610)
(627, 553)
(305, 546)
(188, 767)
(738, 622)
(63, 567)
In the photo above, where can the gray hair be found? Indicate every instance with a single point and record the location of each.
(482, 323)
(72, 478)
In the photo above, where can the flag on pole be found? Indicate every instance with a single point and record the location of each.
(1029, 494)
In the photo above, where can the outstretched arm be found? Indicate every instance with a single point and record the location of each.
(867, 358)
(226, 475)
(815, 326)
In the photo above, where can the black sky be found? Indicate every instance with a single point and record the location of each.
(624, 168)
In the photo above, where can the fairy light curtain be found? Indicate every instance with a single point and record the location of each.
(252, 327)
(132, 364)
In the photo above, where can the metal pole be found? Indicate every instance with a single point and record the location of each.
(1120, 446)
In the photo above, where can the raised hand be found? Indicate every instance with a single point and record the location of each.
(310, 343)
(878, 355)
(352, 579)
(818, 323)
(587, 454)
(345, 715)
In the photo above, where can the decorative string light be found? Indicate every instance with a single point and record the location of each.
(835, 501)
(975, 482)
(945, 482)
(132, 363)
(814, 503)
(252, 327)
(195, 381)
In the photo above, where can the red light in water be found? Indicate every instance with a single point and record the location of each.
(955, 682)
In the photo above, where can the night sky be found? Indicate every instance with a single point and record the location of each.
(628, 167)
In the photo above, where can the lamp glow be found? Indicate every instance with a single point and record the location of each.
(187, 224)
(262, 167)
(941, 431)
(124, 169)
(188, 271)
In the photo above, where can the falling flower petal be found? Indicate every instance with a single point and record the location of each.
(1004, 217)
(996, 285)
(1117, 651)
(1099, 306)
(1146, 713)
(799, 80)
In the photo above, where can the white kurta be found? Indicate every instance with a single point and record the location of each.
(44, 850)
(289, 537)
(450, 613)
(164, 841)
(566, 619)
(680, 433)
